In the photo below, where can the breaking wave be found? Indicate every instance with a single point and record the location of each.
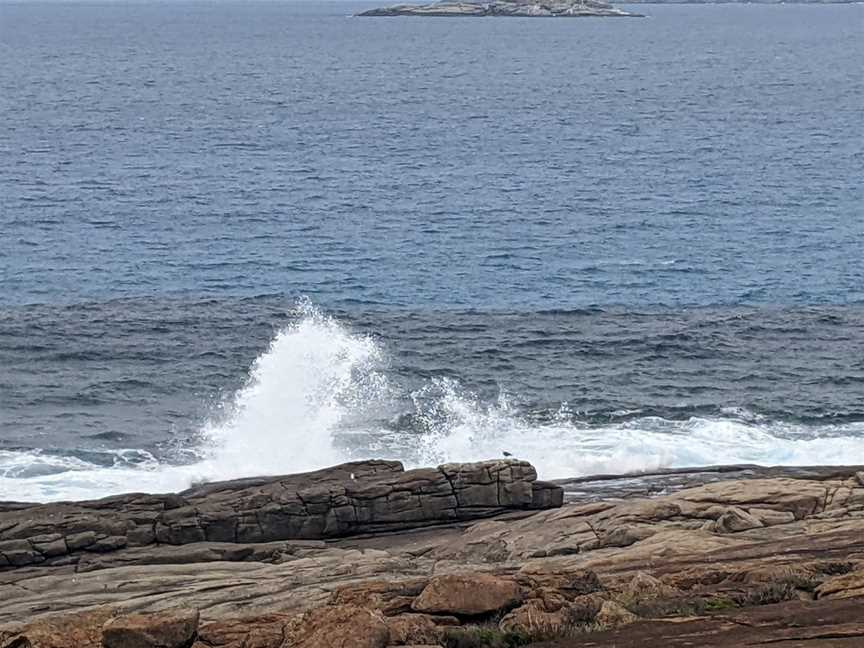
(320, 394)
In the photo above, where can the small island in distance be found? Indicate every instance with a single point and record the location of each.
(506, 8)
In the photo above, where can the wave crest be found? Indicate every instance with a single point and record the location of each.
(319, 395)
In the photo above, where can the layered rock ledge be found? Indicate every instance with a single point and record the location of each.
(505, 8)
(354, 498)
(368, 555)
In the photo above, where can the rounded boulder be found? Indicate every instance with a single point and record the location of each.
(468, 595)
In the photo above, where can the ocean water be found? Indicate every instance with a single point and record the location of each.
(260, 237)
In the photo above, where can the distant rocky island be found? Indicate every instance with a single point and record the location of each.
(551, 8)
(506, 8)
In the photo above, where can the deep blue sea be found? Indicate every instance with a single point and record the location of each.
(260, 237)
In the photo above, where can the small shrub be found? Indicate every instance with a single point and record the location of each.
(679, 607)
(801, 581)
(768, 594)
(835, 567)
(658, 608)
(483, 637)
(719, 604)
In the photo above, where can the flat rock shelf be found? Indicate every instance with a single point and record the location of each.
(503, 8)
(369, 555)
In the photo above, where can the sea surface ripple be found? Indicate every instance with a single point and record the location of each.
(266, 236)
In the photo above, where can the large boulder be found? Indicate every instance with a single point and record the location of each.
(391, 597)
(81, 630)
(167, 629)
(340, 626)
(265, 631)
(469, 595)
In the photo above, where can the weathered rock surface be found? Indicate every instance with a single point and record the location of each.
(168, 629)
(61, 631)
(733, 557)
(796, 624)
(511, 8)
(362, 497)
(472, 595)
(343, 626)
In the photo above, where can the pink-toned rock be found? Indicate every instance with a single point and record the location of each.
(81, 630)
(341, 626)
(391, 597)
(468, 595)
(167, 629)
(411, 629)
(266, 631)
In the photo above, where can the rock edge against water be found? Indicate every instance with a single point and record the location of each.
(505, 8)
(367, 555)
(351, 499)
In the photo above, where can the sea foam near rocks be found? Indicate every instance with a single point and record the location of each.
(320, 395)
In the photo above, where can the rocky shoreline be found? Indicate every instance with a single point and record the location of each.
(368, 555)
(506, 8)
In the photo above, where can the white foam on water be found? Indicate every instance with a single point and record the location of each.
(40, 477)
(469, 431)
(314, 374)
(318, 380)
